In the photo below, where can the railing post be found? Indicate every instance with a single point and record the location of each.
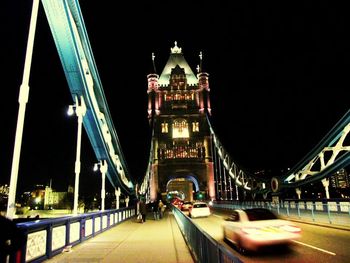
(312, 212)
(49, 241)
(82, 229)
(329, 214)
(20, 255)
(67, 232)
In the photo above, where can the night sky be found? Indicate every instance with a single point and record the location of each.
(278, 78)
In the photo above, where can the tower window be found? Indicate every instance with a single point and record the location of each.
(195, 126)
(180, 129)
(164, 127)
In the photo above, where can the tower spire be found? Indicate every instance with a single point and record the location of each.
(200, 61)
(154, 65)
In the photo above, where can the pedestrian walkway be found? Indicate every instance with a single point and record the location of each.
(131, 242)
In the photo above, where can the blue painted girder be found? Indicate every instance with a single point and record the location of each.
(73, 46)
(329, 140)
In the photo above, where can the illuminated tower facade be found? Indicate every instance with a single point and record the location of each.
(178, 104)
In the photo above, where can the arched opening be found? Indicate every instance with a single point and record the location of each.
(182, 187)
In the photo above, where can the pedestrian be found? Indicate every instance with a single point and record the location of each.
(143, 210)
(12, 239)
(155, 209)
(161, 208)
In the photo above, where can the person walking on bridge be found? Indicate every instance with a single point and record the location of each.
(161, 209)
(143, 210)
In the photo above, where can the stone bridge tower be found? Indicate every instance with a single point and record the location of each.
(177, 108)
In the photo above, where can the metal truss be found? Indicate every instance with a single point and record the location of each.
(329, 156)
(73, 46)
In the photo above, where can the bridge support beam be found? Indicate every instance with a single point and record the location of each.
(23, 99)
(325, 183)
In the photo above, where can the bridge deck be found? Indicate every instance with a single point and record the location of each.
(153, 241)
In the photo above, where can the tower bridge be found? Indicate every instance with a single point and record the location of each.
(184, 145)
(186, 156)
(178, 102)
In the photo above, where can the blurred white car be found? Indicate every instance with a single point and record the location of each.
(251, 229)
(199, 209)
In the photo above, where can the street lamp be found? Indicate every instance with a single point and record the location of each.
(80, 110)
(103, 168)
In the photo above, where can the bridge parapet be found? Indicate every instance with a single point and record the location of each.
(49, 237)
(197, 240)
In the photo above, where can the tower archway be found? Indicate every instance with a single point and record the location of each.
(183, 187)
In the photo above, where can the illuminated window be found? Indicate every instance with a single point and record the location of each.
(195, 126)
(180, 129)
(164, 127)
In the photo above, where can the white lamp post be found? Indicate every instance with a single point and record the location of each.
(23, 99)
(103, 168)
(80, 110)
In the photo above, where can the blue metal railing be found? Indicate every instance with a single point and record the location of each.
(202, 246)
(335, 212)
(46, 238)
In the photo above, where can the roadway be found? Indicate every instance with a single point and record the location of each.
(317, 244)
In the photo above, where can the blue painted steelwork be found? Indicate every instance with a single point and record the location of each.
(73, 46)
(203, 247)
(329, 156)
(52, 228)
(333, 143)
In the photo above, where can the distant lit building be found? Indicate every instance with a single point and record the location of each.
(4, 192)
(4, 189)
(37, 196)
(53, 199)
(340, 179)
(44, 197)
(70, 189)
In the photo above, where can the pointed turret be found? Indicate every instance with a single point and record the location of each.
(176, 58)
(203, 85)
(153, 105)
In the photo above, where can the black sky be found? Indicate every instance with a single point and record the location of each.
(278, 78)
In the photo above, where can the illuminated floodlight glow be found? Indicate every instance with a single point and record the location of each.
(37, 200)
(70, 110)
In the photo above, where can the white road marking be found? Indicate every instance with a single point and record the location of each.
(317, 248)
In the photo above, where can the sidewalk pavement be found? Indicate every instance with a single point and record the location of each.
(154, 241)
